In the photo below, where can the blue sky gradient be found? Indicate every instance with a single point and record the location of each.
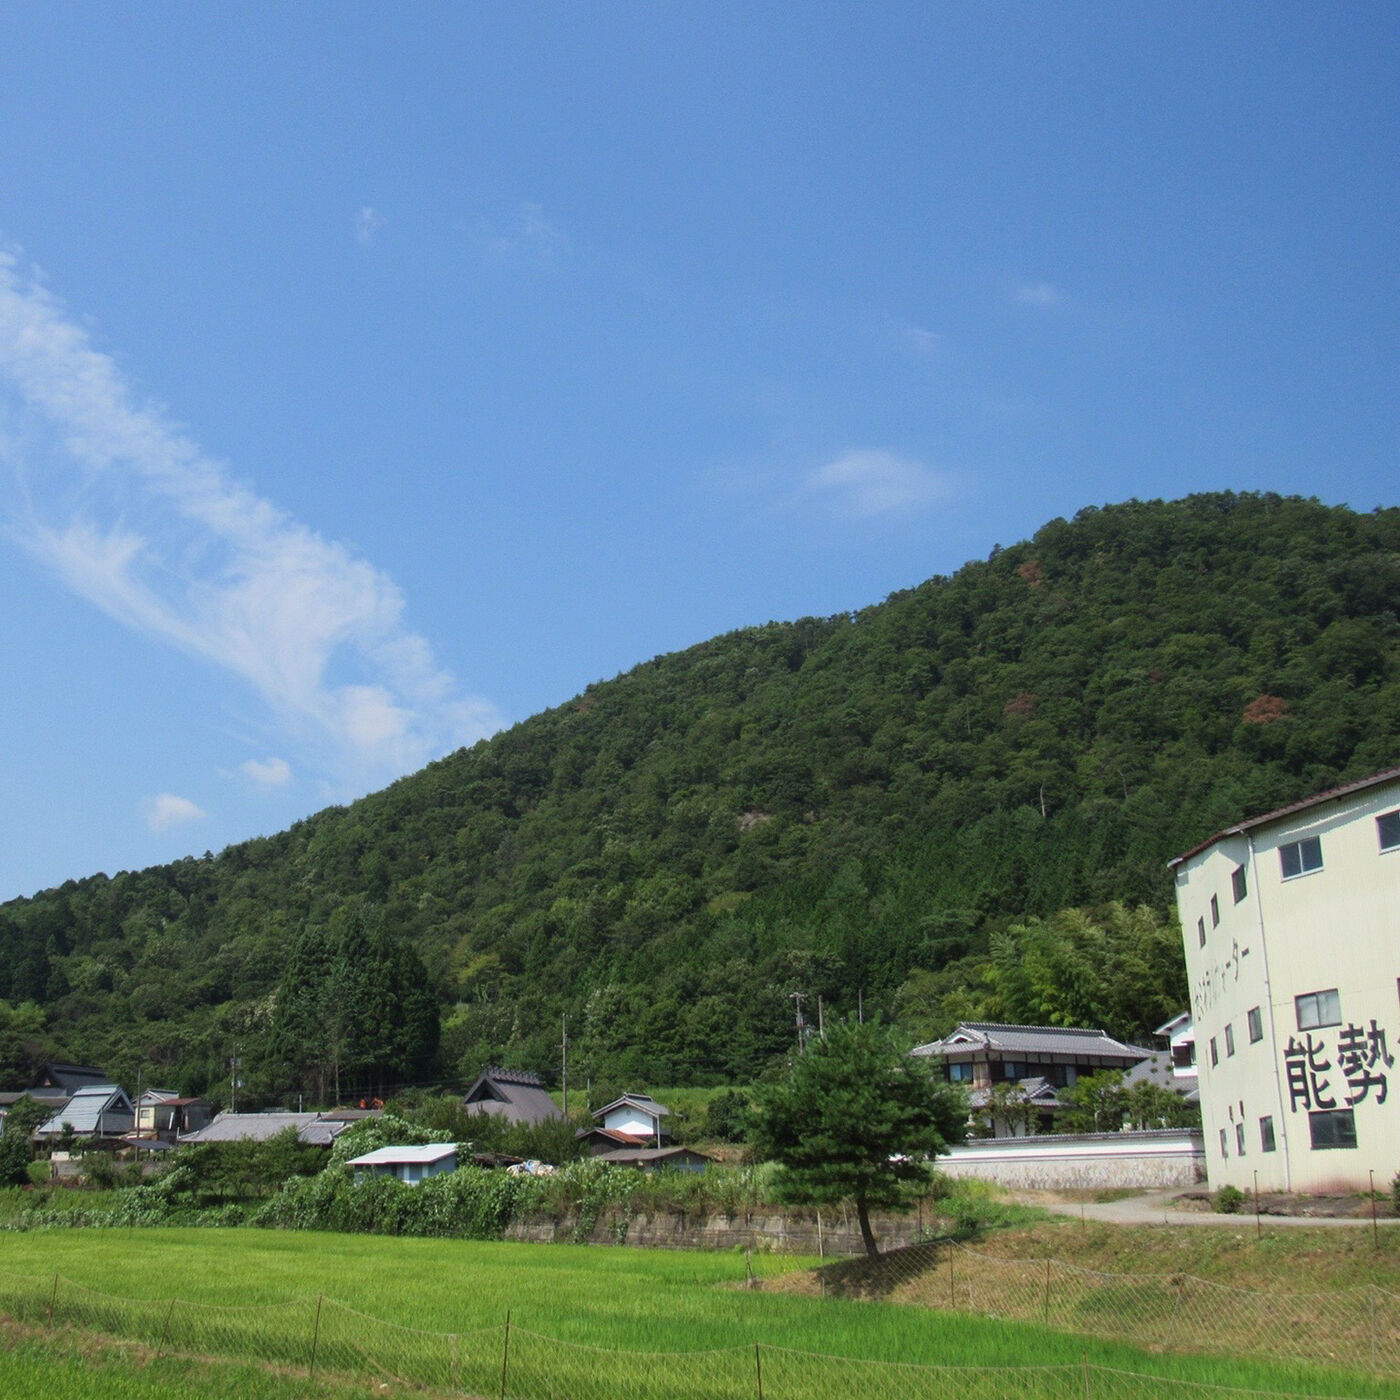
(372, 377)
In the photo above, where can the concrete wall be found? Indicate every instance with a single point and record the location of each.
(825, 1232)
(1089, 1161)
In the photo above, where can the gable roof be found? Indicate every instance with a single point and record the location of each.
(992, 1036)
(516, 1095)
(85, 1110)
(1387, 775)
(644, 1102)
(67, 1078)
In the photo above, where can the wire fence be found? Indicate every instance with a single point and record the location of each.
(1356, 1327)
(319, 1336)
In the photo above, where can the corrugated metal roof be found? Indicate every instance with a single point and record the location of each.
(641, 1101)
(1388, 775)
(1032, 1040)
(627, 1155)
(424, 1153)
(85, 1111)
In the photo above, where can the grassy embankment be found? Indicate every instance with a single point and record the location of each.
(630, 1300)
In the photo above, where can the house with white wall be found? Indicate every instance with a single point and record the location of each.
(1291, 923)
(412, 1165)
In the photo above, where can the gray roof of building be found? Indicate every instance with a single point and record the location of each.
(1037, 1089)
(642, 1101)
(84, 1111)
(971, 1036)
(513, 1094)
(258, 1127)
(1335, 794)
(625, 1155)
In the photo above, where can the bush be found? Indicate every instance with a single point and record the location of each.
(39, 1173)
(1229, 1200)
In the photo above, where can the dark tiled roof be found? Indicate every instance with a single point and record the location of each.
(513, 1094)
(1388, 775)
(1032, 1040)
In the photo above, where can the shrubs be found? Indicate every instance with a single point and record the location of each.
(1229, 1200)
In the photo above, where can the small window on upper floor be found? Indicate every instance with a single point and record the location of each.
(1388, 829)
(1266, 1134)
(1300, 857)
(1214, 912)
(1318, 1009)
(1214, 1053)
(1239, 883)
(1256, 1025)
(960, 1073)
(1224, 1150)
(1239, 1139)
(1201, 930)
(1229, 1040)
(1335, 1129)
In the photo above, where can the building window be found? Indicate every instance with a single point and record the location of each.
(1229, 1040)
(1239, 883)
(1300, 857)
(1256, 1025)
(1266, 1135)
(1318, 1009)
(1388, 828)
(1214, 912)
(1239, 1139)
(1201, 931)
(960, 1073)
(1214, 1054)
(1224, 1148)
(1336, 1129)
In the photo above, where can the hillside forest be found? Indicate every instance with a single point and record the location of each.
(956, 803)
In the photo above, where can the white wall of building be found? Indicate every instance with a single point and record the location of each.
(1261, 1053)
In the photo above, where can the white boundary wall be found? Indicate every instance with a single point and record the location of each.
(1162, 1157)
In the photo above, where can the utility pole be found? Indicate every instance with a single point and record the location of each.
(799, 998)
(821, 1020)
(233, 1082)
(860, 1005)
(565, 1048)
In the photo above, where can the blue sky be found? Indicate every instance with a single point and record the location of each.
(374, 376)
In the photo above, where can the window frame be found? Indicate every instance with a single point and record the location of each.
(1229, 1039)
(1254, 1018)
(1224, 1145)
(1302, 847)
(1214, 1053)
(1215, 911)
(1239, 884)
(1340, 1124)
(1239, 1138)
(1268, 1142)
(1393, 820)
(1201, 930)
(1319, 1008)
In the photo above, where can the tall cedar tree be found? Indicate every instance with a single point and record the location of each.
(853, 1121)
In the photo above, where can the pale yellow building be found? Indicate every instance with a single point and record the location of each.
(1292, 929)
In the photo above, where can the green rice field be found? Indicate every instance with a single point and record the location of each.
(583, 1319)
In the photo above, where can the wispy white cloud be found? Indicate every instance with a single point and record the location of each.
(166, 810)
(368, 222)
(869, 482)
(131, 515)
(269, 773)
(922, 342)
(1042, 294)
(528, 239)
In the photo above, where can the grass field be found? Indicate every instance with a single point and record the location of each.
(629, 1300)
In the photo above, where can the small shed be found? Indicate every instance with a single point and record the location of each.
(411, 1165)
(650, 1159)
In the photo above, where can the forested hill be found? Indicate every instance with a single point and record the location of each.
(897, 803)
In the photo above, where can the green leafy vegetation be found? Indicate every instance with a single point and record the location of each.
(956, 803)
(855, 1120)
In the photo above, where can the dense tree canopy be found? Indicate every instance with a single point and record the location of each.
(895, 806)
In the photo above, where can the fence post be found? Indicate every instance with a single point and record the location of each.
(53, 1298)
(821, 1252)
(165, 1331)
(315, 1335)
(505, 1356)
(952, 1294)
(454, 1369)
(1084, 1361)
(1372, 1291)
(758, 1369)
(1046, 1314)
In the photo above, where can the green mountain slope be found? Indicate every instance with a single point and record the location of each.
(863, 807)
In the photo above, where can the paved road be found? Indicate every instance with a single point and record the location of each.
(1162, 1208)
